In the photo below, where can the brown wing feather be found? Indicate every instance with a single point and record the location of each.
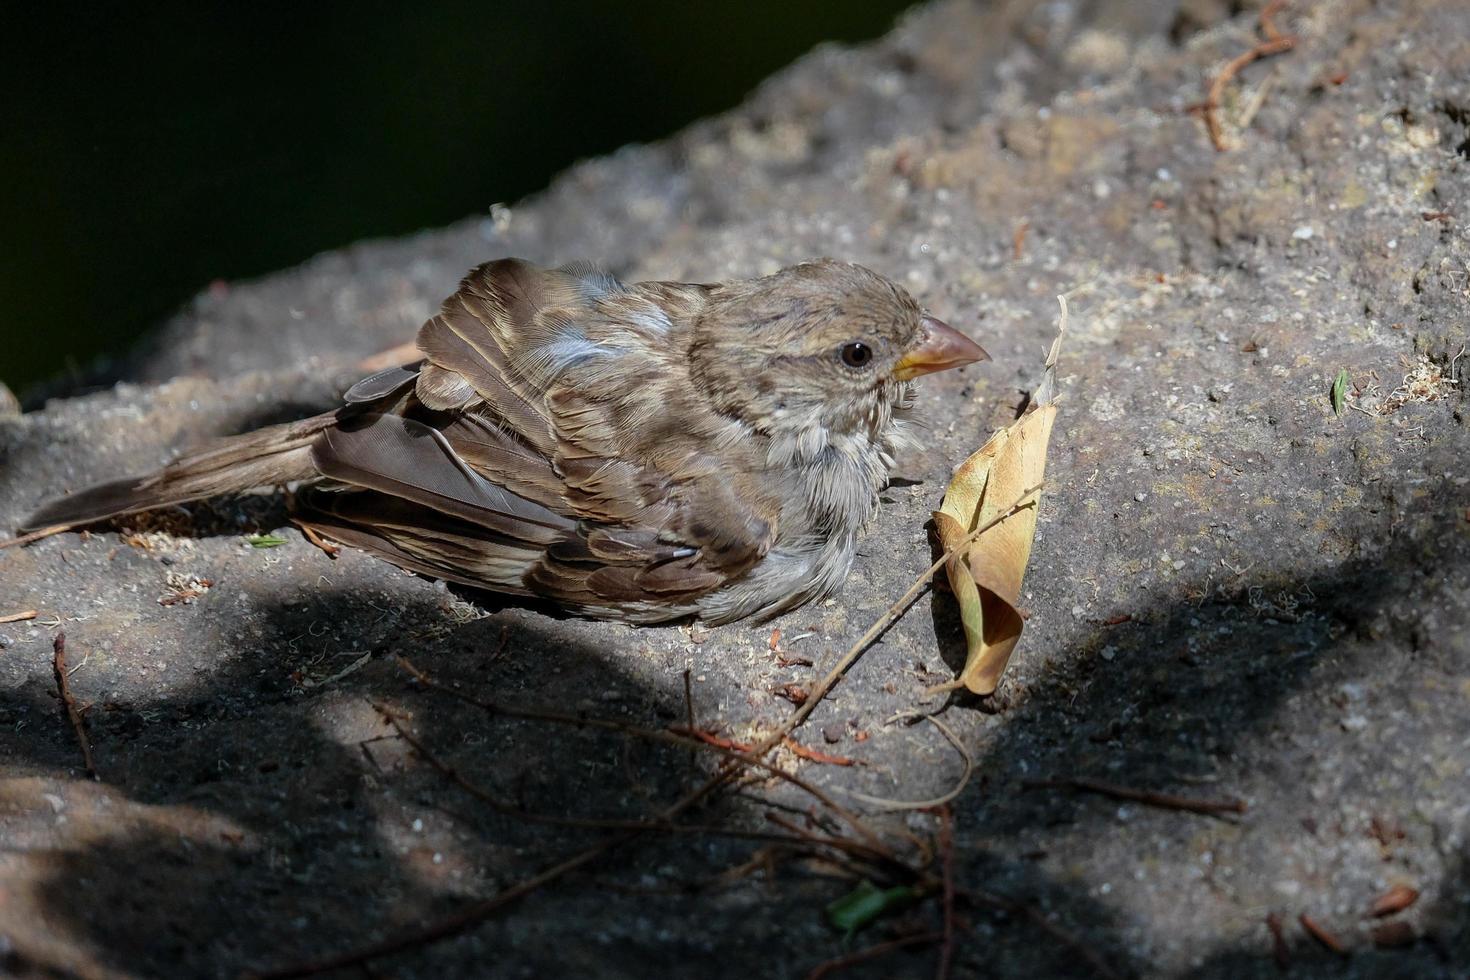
(419, 538)
(486, 480)
(404, 458)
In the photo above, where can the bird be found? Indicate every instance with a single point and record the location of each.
(639, 452)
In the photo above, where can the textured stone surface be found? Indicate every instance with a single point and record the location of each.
(1298, 582)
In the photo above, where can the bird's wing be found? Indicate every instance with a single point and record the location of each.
(544, 446)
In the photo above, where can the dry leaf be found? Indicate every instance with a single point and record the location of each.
(986, 573)
(1396, 899)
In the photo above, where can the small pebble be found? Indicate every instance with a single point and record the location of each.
(832, 734)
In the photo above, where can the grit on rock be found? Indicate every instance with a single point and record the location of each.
(1235, 591)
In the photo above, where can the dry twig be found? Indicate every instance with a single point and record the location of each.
(603, 823)
(946, 852)
(69, 701)
(1320, 933)
(871, 953)
(328, 548)
(1280, 952)
(939, 801)
(1076, 944)
(20, 617)
(1166, 801)
(689, 713)
(1395, 900)
(44, 532)
(890, 616)
(735, 758)
(734, 763)
(1274, 42)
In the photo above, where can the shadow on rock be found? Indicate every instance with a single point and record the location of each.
(287, 822)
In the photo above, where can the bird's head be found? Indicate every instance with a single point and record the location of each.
(819, 352)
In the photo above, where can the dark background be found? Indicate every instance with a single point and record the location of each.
(146, 150)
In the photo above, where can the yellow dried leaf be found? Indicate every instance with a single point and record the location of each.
(986, 573)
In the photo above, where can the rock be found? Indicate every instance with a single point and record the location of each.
(991, 157)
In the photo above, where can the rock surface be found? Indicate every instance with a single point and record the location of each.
(1235, 591)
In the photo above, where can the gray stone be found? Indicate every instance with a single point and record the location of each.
(1297, 582)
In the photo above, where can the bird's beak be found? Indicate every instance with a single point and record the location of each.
(940, 348)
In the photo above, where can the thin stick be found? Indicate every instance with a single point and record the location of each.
(817, 755)
(871, 953)
(480, 911)
(351, 668)
(887, 804)
(889, 617)
(73, 714)
(1280, 951)
(797, 749)
(1268, 20)
(1018, 239)
(1067, 939)
(946, 851)
(1098, 964)
(1320, 933)
(1275, 43)
(20, 617)
(44, 532)
(596, 823)
(734, 762)
(450, 926)
(689, 714)
(734, 758)
(309, 533)
(1166, 801)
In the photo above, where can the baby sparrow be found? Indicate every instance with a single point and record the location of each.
(638, 452)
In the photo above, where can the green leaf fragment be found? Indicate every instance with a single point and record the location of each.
(865, 903)
(1339, 391)
(265, 541)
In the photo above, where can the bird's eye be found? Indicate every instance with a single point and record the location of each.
(855, 354)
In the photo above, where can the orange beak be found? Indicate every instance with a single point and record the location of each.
(940, 348)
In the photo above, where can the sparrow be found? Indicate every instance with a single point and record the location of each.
(628, 451)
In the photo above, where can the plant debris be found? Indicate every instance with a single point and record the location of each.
(184, 589)
(794, 693)
(1396, 899)
(1425, 380)
(872, 953)
(1395, 933)
(1164, 801)
(1274, 42)
(265, 540)
(1339, 391)
(865, 903)
(1280, 951)
(1320, 933)
(986, 574)
(69, 701)
(328, 548)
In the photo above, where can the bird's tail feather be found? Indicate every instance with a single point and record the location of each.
(275, 455)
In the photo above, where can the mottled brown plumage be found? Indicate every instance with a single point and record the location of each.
(634, 451)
